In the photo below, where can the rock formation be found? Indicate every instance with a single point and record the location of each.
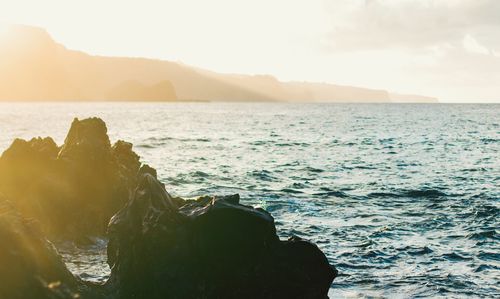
(131, 90)
(74, 189)
(29, 265)
(160, 246)
(212, 247)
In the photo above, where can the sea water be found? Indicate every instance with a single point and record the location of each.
(402, 198)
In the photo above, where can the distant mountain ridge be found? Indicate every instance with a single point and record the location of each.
(35, 67)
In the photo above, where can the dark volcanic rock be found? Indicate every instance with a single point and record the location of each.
(72, 190)
(160, 246)
(165, 247)
(30, 267)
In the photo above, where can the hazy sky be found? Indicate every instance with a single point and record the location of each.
(444, 48)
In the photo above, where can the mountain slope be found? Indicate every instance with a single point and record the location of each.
(34, 67)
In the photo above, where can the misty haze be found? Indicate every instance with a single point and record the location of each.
(249, 149)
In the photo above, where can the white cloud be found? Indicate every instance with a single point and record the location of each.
(448, 49)
(471, 45)
(413, 23)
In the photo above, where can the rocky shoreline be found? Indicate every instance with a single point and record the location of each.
(160, 246)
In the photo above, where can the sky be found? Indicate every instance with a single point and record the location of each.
(449, 49)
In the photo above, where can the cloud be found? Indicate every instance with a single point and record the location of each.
(471, 45)
(446, 48)
(462, 74)
(415, 24)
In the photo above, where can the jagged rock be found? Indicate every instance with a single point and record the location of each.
(26, 159)
(165, 247)
(37, 149)
(87, 141)
(27, 176)
(127, 159)
(72, 190)
(30, 267)
(160, 246)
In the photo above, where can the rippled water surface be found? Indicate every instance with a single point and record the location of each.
(404, 199)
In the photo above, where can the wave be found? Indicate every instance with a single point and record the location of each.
(416, 251)
(425, 193)
(331, 193)
(313, 169)
(486, 234)
(263, 175)
(292, 191)
(456, 257)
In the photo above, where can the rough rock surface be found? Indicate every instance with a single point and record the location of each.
(159, 246)
(29, 265)
(212, 247)
(75, 189)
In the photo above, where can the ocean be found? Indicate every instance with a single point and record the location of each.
(403, 198)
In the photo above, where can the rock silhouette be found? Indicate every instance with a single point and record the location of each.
(73, 189)
(29, 265)
(160, 246)
(136, 91)
(212, 247)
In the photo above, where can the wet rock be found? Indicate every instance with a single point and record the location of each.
(127, 160)
(30, 267)
(75, 189)
(213, 247)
